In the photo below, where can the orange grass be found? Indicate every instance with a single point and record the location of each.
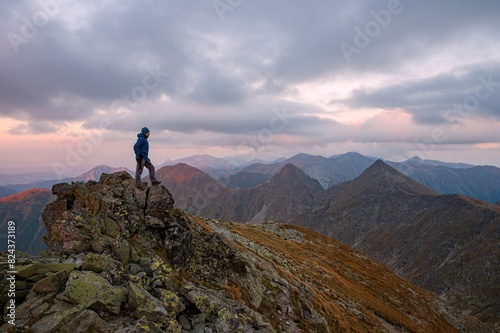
(336, 274)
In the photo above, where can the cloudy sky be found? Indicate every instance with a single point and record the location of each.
(253, 78)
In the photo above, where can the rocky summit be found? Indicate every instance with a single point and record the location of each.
(125, 260)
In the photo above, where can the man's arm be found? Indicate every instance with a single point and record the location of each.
(143, 148)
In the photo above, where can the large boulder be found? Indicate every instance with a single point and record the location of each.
(145, 305)
(92, 291)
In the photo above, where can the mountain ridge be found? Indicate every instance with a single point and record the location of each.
(127, 260)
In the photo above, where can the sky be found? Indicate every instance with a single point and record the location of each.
(247, 79)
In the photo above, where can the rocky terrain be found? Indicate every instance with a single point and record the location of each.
(124, 260)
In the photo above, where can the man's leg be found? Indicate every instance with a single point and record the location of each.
(138, 172)
(152, 175)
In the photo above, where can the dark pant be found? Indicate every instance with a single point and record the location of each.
(141, 163)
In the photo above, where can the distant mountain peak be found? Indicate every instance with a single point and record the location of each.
(299, 157)
(352, 153)
(417, 161)
(290, 173)
(96, 172)
(290, 168)
(202, 161)
(287, 171)
(382, 177)
(180, 173)
(379, 166)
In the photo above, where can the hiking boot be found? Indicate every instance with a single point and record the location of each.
(140, 187)
(156, 182)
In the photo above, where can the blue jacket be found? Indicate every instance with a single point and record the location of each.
(141, 147)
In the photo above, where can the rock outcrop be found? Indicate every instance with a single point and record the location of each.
(125, 260)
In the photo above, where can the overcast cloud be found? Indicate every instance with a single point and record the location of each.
(210, 76)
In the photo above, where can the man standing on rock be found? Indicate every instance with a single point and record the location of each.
(141, 149)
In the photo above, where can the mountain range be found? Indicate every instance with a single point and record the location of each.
(482, 182)
(126, 260)
(445, 243)
(24, 178)
(92, 174)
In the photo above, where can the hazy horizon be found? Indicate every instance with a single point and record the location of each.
(237, 161)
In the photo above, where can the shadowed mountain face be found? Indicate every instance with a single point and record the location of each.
(445, 243)
(125, 260)
(24, 209)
